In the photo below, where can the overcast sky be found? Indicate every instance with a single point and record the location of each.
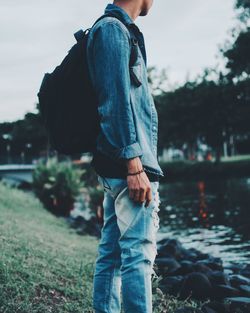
(181, 36)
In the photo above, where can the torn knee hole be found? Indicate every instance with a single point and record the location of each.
(146, 240)
(147, 261)
(156, 218)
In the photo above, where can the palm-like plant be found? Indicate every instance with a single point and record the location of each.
(57, 184)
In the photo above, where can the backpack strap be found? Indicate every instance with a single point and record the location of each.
(133, 58)
(133, 45)
(79, 35)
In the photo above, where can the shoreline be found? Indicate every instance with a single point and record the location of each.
(45, 265)
(190, 273)
(193, 170)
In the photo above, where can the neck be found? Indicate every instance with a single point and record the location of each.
(132, 8)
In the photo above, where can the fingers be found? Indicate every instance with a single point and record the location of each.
(148, 197)
(143, 195)
(140, 189)
(131, 193)
(137, 195)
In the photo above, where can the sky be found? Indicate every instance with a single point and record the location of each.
(181, 36)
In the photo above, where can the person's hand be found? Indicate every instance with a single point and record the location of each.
(138, 185)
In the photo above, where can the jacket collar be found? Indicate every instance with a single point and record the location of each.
(112, 8)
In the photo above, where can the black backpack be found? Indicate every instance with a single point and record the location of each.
(67, 101)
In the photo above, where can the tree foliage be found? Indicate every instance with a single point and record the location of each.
(244, 7)
(213, 110)
(204, 108)
(238, 56)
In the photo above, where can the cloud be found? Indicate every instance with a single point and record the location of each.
(36, 35)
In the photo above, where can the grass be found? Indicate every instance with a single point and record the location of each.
(44, 265)
(236, 158)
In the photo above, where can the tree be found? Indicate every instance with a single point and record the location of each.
(238, 57)
(238, 53)
(29, 130)
(244, 7)
(203, 109)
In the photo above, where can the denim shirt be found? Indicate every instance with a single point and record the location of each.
(128, 117)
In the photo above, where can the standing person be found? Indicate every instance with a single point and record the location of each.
(125, 161)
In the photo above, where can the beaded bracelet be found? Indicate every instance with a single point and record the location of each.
(130, 174)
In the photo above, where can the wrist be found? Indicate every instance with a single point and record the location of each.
(134, 164)
(135, 173)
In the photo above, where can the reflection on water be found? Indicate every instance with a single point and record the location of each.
(213, 216)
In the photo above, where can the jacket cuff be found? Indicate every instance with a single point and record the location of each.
(130, 151)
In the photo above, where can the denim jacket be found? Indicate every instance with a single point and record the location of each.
(128, 117)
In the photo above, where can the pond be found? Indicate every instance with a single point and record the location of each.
(212, 216)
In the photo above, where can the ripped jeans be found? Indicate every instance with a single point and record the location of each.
(126, 251)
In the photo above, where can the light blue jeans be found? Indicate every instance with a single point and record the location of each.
(126, 251)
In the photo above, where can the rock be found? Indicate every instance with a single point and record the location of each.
(223, 291)
(175, 242)
(169, 250)
(172, 280)
(207, 309)
(186, 262)
(193, 250)
(248, 266)
(218, 278)
(237, 280)
(202, 268)
(202, 256)
(168, 241)
(190, 272)
(192, 254)
(171, 247)
(167, 265)
(245, 290)
(236, 268)
(228, 271)
(245, 272)
(196, 284)
(216, 260)
(186, 268)
(237, 303)
(163, 241)
(188, 310)
(185, 253)
(83, 226)
(243, 300)
(217, 307)
(211, 264)
(171, 285)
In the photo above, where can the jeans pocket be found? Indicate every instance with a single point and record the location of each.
(130, 215)
(106, 184)
(112, 185)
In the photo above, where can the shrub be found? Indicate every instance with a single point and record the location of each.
(57, 184)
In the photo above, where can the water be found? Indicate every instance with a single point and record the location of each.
(212, 216)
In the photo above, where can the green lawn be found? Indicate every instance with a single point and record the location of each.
(44, 265)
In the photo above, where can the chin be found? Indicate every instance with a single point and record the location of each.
(143, 13)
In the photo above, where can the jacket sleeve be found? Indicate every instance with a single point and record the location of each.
(110, 55)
